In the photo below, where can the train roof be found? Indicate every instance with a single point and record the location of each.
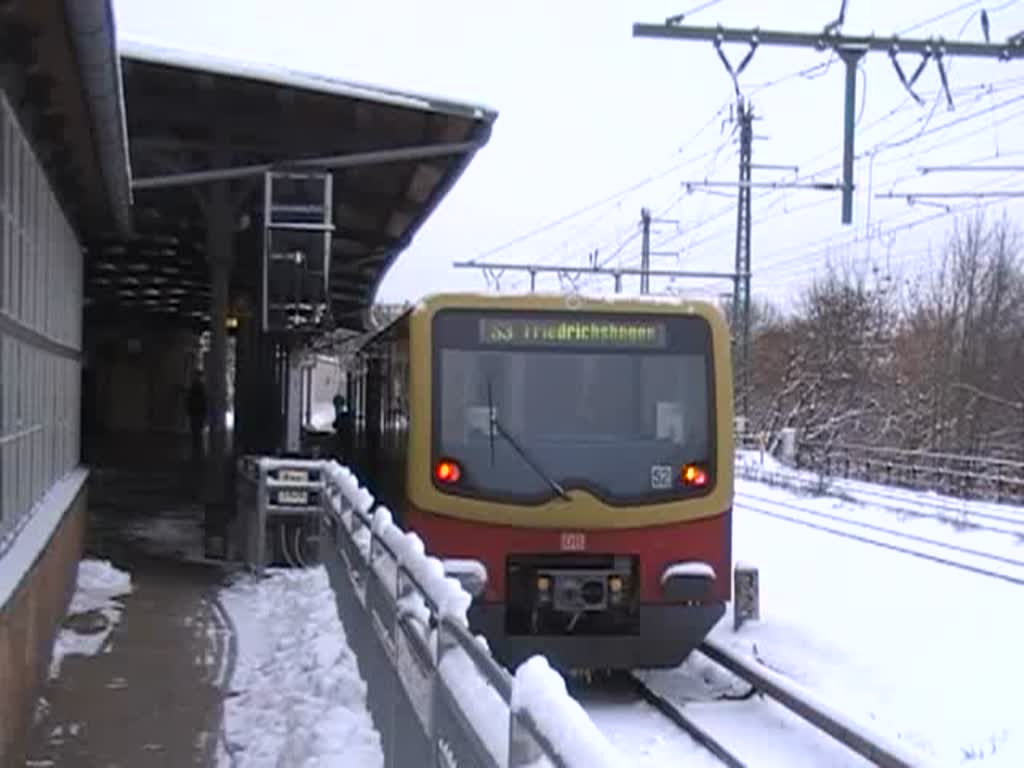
(556, 301)
(547, 301)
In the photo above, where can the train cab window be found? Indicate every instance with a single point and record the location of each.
(617, 419)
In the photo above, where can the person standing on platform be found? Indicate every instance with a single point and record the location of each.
(342, 427)
(197, 416)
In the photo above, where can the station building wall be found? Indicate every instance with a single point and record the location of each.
(42, 487)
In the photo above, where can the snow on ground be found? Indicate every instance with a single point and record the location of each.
(300, 700)
(943, 527)
(927, 654)
(973, 547)
(93, 613)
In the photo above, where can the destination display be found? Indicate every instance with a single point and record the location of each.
(601, 332)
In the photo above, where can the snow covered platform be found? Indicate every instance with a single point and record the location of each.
(173, 663)
(138, 673)
(166, 658)
(297, 697)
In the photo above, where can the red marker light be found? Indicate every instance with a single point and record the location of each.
(447, 471)
(694, 475)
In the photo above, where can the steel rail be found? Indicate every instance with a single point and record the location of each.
(885, 545)
(803, 704)
(695, 731)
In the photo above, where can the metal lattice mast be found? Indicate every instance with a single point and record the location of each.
(744, 222)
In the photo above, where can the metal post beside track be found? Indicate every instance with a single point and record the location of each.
(746, 595)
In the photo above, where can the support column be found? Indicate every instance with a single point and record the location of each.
(308, 416)
(851, 58)
(296, 374)
(220, 255)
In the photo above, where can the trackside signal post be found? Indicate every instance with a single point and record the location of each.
(850, 48)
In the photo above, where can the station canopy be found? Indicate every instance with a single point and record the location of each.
(193, 120)
(59, 77)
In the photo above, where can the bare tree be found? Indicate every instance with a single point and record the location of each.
(938, 367)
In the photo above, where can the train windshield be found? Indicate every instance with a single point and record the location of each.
(532, 405)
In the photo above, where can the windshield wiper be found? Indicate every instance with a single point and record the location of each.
(490, 419)
(495, 424)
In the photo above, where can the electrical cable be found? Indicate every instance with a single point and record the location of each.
(825, 244)
(874, 123)
(830, 242)
(618, 234)
(604, 200)
(284, 545)
(940, 17)
(726, 210)
(809, 73)
(298, 547)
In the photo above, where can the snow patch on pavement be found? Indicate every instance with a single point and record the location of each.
(93, 613)
(298, 698)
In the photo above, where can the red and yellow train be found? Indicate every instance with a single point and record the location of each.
(572, 465)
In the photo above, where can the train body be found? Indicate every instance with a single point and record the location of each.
(571, 465)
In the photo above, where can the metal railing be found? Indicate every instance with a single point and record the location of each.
(972, 477)
(437, 695)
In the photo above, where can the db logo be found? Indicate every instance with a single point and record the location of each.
(574, 542)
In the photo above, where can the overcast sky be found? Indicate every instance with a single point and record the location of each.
(587, 111)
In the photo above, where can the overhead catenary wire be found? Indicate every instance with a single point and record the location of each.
(728, 209)
(824, 246)
(900, 137)
(616, 241)
(606, 199)
(799, 252)
(802, 252)
(938, 93)
(940, 16)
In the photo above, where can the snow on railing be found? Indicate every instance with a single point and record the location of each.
(469, 707)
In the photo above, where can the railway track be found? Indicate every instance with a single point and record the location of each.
(969, 514)
(976, 561)
(974, 514)
(818, 716)
(693, 729)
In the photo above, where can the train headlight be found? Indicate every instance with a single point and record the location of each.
(448, 471)
(694, 476)
(543, 583)
(615, 584)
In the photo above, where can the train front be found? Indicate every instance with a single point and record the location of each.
(575, 472)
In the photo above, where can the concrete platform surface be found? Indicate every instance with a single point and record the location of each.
(153, 695)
